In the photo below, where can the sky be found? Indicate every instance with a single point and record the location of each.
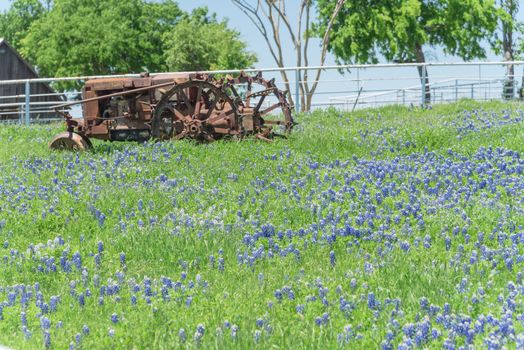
(237, 20)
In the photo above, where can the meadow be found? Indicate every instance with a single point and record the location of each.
(384, 228)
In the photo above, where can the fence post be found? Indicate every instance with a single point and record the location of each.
(27, 104)
(472, 91)
(297, 92)
(423, 85)
(456, 90)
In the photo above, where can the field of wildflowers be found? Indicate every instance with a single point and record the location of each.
(390, 228)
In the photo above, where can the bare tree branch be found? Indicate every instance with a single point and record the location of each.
(306, 46)
(268, 15)
(275, 25)
(298, 49)
(282, 14)
(252, 13)
(325, 45)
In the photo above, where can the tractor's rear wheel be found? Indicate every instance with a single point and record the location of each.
(70, 141)
(262, 97)
(196, 109)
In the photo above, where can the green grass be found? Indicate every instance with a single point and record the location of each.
(194, 193)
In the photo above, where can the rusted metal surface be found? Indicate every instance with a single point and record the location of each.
(175, 106)
(70, 141)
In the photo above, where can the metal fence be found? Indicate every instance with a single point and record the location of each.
(347, 87)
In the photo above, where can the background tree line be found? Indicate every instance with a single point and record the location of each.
(401, 31)
(85, 37)
(91, 37)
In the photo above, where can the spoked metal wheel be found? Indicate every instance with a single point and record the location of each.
(261, 97)
(70, 141)
(196, 109)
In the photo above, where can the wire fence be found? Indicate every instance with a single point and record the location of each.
(347, 87)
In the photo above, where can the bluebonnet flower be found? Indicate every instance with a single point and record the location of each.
(23, 318)
(257, 335)
(47, 339)
(234, 331)
(199, 333)
(123, 260)
(182, 335)
(447, 309)
(77, 260)
(353, 283)
(81, 299)
(45, 323)
(435, 334)
(27, 332)
(372, 302)
(448, 243)
(278, 294)
(72, 287)
(11, 297)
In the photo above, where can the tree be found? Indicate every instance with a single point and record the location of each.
(509, 26)
(398, 30)
(15, 23)
(92, 37)
(87, 37)
(273, 22)
(199, 42)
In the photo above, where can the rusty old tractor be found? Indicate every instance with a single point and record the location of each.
(175, 106)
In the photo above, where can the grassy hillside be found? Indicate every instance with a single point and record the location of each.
(383, 228)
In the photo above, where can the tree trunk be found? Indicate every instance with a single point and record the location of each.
(423, 73)
(507, 47)
(509, 84)
(309, 98)
(287, 87)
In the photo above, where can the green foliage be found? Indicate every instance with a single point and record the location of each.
(80, 37)
(14, 24)
(92, 37)
(395, 28)
(200, 211)
(201, 42)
